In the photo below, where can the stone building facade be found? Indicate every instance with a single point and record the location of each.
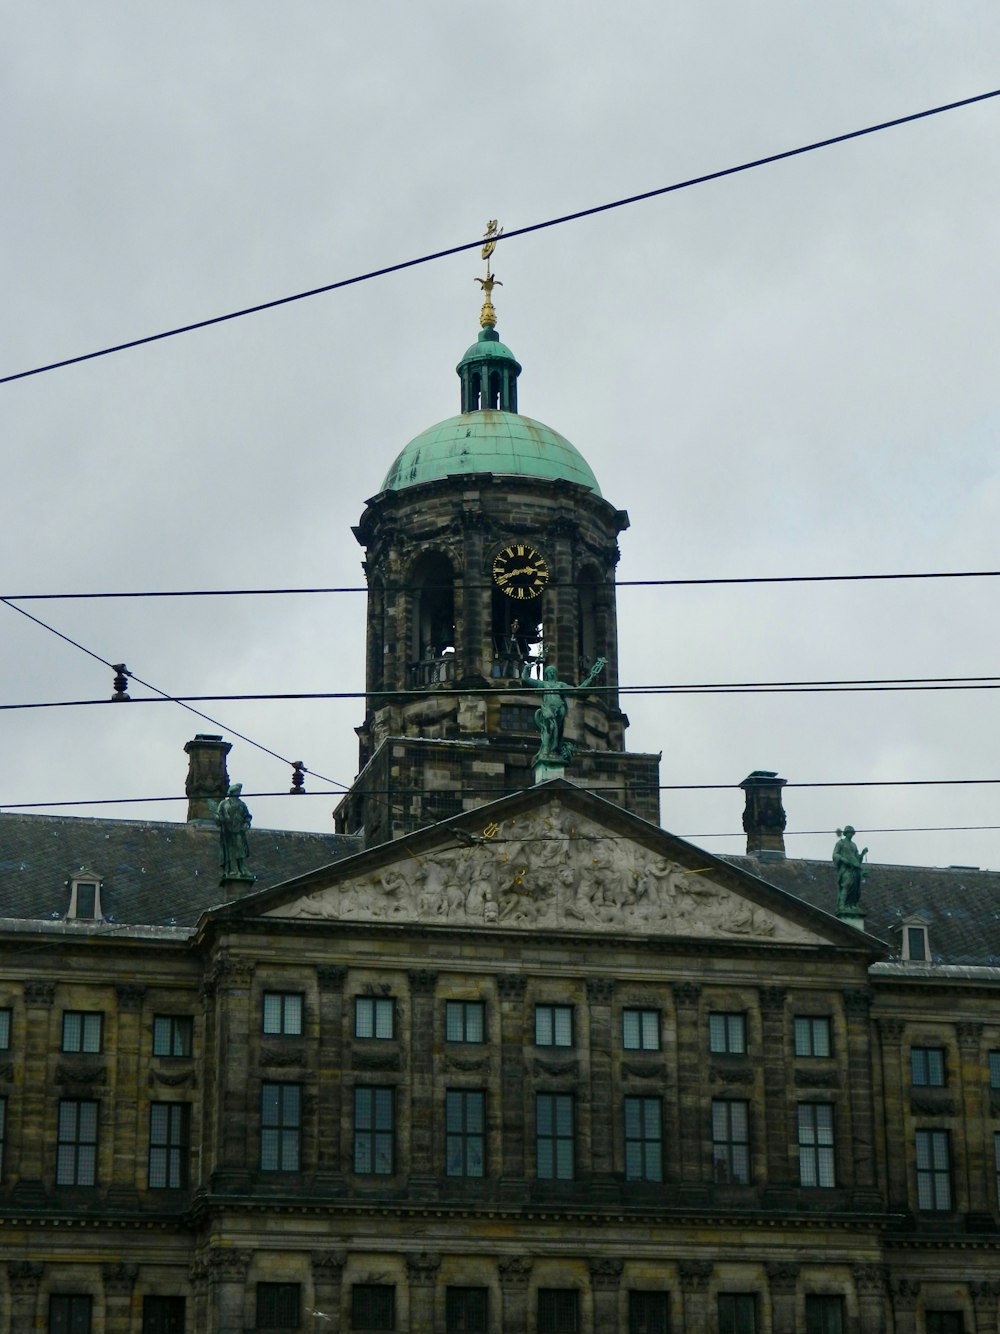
(499, 1056)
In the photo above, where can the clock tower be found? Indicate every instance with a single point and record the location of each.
(490, 555)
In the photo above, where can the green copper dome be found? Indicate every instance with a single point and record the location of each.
(489, 441)
(490, 435)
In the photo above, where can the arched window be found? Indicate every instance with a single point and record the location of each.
(517, 636)
(432, 625)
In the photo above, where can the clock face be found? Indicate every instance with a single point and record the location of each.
(520, 571)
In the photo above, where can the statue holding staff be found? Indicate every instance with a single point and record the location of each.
(849, 865)
(234, 820)
(551, 716)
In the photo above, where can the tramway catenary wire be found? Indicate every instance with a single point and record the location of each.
(561, 220)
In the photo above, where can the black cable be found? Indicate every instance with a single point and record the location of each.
(859, 686)
(164, 697)
(430, 588)
(516, 231)
(487, 791)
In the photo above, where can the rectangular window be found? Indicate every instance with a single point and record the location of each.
(283, 1014)
(374, 1016)
(373, 1306)
(558, 1311)
(69, 1313)
(944, 1322)
(464, 1117)
(824, 1315)
(643, 1139)
(277, 1306)
(916, 943)
(280, 1127)
(464, 1021)
(554, 1136)
(172, 1034)
(927, 1067)
(995, 1069)
(4, 1030)
(163, 1315)
(727, 1033)
(81, 1030)
(737, 1313)
(648, 1313)
(816, 1166)
(465, 1310)
(76, 1150)
(641, 1030)
(933, 1170)
(996, 1162)
(169, 1142)
(730, 1142)
(374, 1134)
(553, 1025)
(3, 1134)
(812, 1036)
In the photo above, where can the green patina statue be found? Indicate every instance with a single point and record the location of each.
(550, 718)
(234, 819)
(849, 865)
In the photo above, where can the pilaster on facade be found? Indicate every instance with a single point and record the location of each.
(24, 1279)
(871, 1288)
(905, 1294)
(695, 1277)
(777, 1130)
(422, 1270)
(422, 984)
(515, 1275)
(605, 1282)
(783, 1282)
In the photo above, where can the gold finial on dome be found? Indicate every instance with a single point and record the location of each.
(488, 316)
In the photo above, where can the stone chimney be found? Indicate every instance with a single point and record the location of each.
(208, 779)
(764, 817)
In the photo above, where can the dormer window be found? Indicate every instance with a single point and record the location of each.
(85, 898)
(916, 946)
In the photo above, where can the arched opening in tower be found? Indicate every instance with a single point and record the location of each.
(517, 636)
(432, 621)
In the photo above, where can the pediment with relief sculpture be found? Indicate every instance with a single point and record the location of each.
(550, 867)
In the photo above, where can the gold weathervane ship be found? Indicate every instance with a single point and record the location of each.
(488, 316)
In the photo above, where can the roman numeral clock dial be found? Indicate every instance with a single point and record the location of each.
(520, 571)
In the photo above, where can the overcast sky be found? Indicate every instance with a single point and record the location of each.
(790, 371)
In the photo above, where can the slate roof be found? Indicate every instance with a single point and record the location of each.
(960, 905)
(152, 872)
(167, 874)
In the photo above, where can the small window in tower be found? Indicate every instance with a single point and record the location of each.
(517, 637)
(493, 400)
(475, 391)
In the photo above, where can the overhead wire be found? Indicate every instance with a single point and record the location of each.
(164, 697)
(425, 588)
(561, 220)
(513, 687)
